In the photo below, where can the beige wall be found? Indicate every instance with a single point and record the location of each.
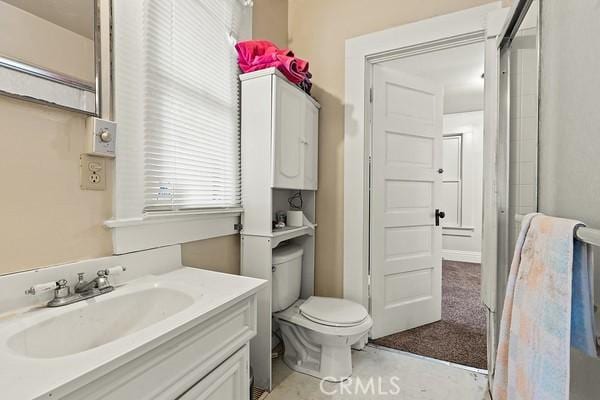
(317, 31)
(219, 254)
(270, 21)
(46, 218)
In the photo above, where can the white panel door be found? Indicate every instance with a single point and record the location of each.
(405, 242)
(288, 136)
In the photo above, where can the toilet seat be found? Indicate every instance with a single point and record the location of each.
(293, 315)
(333, 311)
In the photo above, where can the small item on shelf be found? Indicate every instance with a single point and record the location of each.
(295, 201)
(295, 218)
(279, 225)
(280, 216)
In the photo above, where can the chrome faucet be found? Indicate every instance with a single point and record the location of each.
(82, 290)
(100, 282)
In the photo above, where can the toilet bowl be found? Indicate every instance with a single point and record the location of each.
(320, 345)
(319, 332)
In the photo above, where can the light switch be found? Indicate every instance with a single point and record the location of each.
(102, 135)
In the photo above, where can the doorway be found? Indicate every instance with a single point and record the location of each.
(365, 279)
(426, 204)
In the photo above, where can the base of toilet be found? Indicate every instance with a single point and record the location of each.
(331, 360)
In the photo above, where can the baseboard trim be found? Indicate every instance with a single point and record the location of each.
(462, 256)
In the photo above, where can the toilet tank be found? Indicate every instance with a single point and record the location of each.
(287, 276)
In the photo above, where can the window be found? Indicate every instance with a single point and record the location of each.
(452, 180)
(191, 106)
(176, 102)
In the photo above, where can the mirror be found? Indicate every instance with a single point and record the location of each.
(48, 52)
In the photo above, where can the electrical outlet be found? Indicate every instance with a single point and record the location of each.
(92, 172)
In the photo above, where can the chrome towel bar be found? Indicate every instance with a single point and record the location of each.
(583, 233)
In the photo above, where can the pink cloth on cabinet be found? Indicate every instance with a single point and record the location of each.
(254, 55)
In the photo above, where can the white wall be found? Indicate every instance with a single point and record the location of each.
(569, 153)
(465, 244)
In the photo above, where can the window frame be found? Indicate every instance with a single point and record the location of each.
(461, 229)
(133, 228)
(458, 180)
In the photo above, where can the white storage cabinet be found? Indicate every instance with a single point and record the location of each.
(295, 119)
(279, 157)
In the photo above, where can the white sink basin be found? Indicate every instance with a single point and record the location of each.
(97, 323)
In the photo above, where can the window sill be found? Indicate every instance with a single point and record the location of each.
(465, 231)
(159, 229)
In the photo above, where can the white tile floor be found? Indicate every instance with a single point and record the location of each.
(403, 376)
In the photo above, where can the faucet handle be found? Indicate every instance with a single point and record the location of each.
(62, 289)
(42, 288)
(114, 270)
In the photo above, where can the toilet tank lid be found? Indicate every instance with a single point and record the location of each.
(286, 253)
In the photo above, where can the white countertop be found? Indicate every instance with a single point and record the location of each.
(22, 377)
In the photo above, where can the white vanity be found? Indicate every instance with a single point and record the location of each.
(165, 332)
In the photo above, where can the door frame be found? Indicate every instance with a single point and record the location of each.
(472, 25)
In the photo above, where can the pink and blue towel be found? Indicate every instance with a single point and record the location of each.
(548, 308)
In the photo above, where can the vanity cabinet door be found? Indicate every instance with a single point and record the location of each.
(288, 135)
(229, 380)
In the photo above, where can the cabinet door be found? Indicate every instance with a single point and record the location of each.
(229, 381)
(288, 152)
(311, 145)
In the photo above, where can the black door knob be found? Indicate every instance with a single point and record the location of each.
(438, 214)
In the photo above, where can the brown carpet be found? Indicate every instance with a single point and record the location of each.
(460, 336)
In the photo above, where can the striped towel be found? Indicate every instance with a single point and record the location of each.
(548, 307)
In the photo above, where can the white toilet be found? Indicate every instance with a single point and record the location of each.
(319, 332)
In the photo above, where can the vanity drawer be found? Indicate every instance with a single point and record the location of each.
(228, 381)
(173, 367)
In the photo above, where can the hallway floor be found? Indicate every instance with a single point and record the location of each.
(402, 376)
(460, 336)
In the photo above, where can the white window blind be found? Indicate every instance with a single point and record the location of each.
(191, 104)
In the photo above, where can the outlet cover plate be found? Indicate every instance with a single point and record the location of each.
(92, 172)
